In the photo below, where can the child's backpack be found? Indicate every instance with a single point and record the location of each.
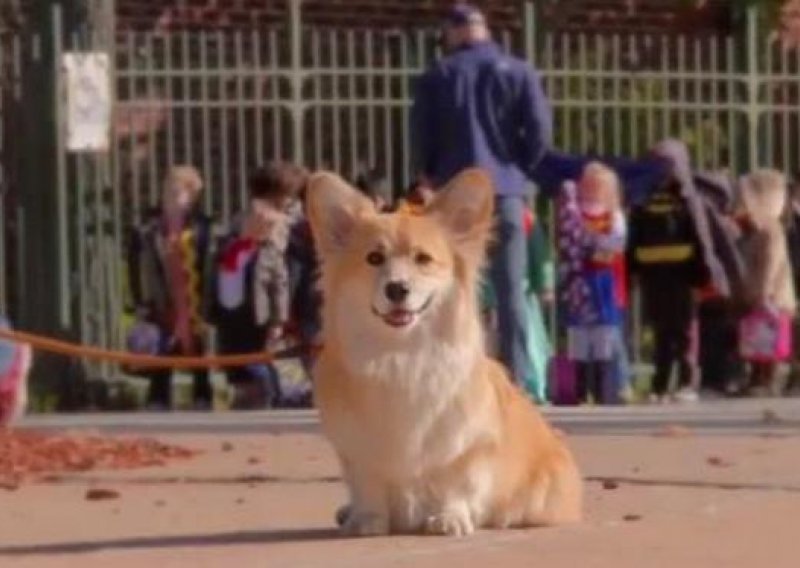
(562, 381)
(15, 363)
(765, 336)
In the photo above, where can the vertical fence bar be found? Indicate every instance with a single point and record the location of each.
(62, 235)
(335, 109)
(616, 86)
(297, 78)
(316, 57)
(529, 32)
(156, 105)
(224, 165)
(352, 97)
(405, 126)
(566, 121)
(649, 96)
(258, 93)
(682, 90)
(130, 76)
(666, 95)
(83, 277)
(111, 176)
(753, 112)
(731, 84)
(370, 77)
(633, 111)
(583, 97)
(187, 99)
(205, 104)
(716, 114)
(769, 116)
(598, 70)
(102, 297)
(597, 95)
(387, 109)
(697, 99)
(167, 69)
(276, 110)
(241, 123)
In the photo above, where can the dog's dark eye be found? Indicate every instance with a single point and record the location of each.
(423, 258)
(376, 258)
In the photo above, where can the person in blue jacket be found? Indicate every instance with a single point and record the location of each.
(479, 107)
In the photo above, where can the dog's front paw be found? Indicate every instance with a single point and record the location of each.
(362, 524)
(450, 523)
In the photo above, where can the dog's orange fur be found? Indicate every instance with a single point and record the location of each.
(431, 433)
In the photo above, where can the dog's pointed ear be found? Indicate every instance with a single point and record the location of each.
(334, 207)
(465, 206)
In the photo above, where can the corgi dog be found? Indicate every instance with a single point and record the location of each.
(431, 434)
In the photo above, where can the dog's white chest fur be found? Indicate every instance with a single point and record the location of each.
(416, 420)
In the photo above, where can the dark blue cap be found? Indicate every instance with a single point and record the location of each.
(464, 14)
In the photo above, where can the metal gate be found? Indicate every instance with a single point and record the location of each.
(339, 99)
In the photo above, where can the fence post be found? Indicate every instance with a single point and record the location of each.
(529, 31)
(42, 262)
(62, 234)
(297, 108)
(753, 87)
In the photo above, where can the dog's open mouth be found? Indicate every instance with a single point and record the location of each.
(401, 317)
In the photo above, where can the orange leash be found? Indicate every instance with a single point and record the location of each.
(144, 361)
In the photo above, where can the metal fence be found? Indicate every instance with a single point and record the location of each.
(339, 99)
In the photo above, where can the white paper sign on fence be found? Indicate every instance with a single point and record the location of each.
(88, 101)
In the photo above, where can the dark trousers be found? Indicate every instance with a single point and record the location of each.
(673, 315)
(238, 334)
(719, 358)
(595, 380)
(160, 391)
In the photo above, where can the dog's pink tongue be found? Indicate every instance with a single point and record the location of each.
(399, 318)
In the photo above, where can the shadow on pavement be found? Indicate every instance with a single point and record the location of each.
(223, 539)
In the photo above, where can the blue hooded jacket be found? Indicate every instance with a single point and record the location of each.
(479, 107)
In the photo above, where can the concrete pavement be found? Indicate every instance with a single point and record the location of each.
(715, 484)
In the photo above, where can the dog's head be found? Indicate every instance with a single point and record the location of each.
(390, 273)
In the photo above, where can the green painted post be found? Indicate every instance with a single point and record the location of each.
(62, 234)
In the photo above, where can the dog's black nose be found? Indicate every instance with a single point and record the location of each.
(397, 291)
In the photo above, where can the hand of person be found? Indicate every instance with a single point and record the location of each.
(744, 221)
(275, 332)
(255, 227)
(547, 297)
(423, 192)
(569, 192)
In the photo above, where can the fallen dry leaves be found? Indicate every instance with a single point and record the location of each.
(717, 461)
(101, 494)
(673, 431)
(26, 455)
